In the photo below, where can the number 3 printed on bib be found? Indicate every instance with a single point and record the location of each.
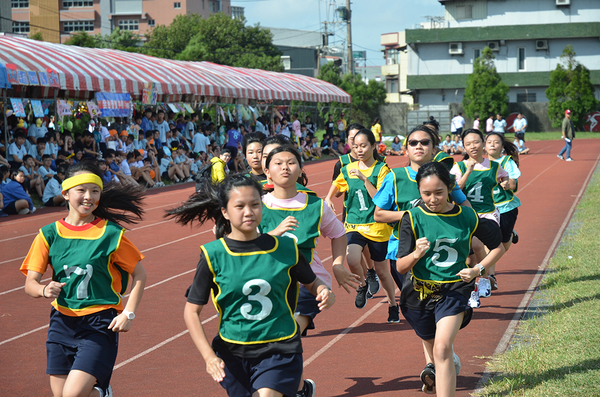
(474, 193)
(260, 297)
(452, 253)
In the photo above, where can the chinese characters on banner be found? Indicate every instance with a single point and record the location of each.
(149, 94)
(93, 109)
(37, 107)
(114, 105)
(18, 107)
(63, 108)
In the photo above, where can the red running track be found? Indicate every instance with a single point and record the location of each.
(351, 353)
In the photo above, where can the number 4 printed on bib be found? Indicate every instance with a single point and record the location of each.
(82, 287)
(474, 193)
(260, 297)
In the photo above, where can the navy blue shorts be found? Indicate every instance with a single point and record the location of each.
(307, 306)
(244, 376)
(507, 224)
(424, 321)
(82, 343)
(378, 249)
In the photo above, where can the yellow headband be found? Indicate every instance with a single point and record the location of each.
(80, 180)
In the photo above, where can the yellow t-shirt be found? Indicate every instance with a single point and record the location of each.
(376, 130)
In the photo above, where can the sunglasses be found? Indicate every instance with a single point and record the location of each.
(423, 142)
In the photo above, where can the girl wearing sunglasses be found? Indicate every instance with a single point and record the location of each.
(478, 177)
(361, 179)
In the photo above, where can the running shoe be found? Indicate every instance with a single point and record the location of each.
(474, 299)
(372, 281)
(190, 179)
(515, 237)
(485, 288)
(570, 159)
(361, 296)
(493, 282)
(308, 390)
(393, 314)
(560, 157)
(428, 379)
(105, 393)
(456, 360)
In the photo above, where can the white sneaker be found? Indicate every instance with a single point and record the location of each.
(24, 211)
(474, 299)
(190, 179)
(484, 287)
(456, 360)
(570, 159)
(105, 393)
(560, 157)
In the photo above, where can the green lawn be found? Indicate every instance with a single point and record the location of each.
(556, 351)
(548, 136)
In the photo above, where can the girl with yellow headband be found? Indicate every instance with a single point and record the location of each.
(91, 263)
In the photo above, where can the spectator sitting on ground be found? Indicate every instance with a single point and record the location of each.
(334, 146)
(53, 192)
(168, 168)
(325, 144)
(3, 174)
(106, 175)
(17, 150)
(396, 148)
(45, 170)
(458, 145)
(137, 168)
(16, 199)
(448, 145)
(32, 177)
(219, 167)
(315, 150)
(37, 151)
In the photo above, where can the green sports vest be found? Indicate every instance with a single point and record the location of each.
(444, 158)
(359, 204)
(450, 239)
(309, 223)
(502, 196)
(299, 188)
(406, 193)
(345, 160)
(479, 188)
(83, 264)
(252, 291)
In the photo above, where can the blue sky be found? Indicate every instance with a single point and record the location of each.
(370, 18)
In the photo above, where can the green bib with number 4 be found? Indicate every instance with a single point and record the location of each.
(449, 236)
(480, 185)
(252, 291)
(83, 264)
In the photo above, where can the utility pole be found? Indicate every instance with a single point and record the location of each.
(349, 27)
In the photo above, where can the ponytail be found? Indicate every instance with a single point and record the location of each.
(509, 148)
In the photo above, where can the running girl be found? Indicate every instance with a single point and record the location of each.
(253, 148)
(303, 217)
(399, 191)
(254, 281)
(435, 240)
(478, 177)
(91, 262)
(361, 179)
(504, 195)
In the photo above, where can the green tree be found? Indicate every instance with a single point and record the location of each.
(168, 41)
(570, 88)
(37, 36)
(485, 92)
(82, 39)
(119, 39)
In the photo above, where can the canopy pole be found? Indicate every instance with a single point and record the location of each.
(5, 122)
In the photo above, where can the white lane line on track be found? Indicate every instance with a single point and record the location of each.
(512, 326)
(24, 334)
(158, 346)
(20, 288)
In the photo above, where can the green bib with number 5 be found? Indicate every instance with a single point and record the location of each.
(83, 264)
(480, 185)
(252, 291)
(449, 236)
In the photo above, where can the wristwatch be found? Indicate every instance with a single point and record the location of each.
(129, 315)
(481, 269)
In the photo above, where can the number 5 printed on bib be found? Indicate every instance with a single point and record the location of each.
(452, 254)
(260, 297)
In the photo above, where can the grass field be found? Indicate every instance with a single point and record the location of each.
(556, 351)
(548, 136)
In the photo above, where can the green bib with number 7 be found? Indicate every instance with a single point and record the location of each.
(449, 236)
(480, 185)
(252, 291)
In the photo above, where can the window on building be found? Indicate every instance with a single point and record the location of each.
(177, 4)
(78, 26)
(85, 3)
(392, 86)
(286, 61)
(213, 6)
(464, 12)
(391, 57)
(151, 23)
(202, 4)
(20, 27)
(525, 97)
(476, 53)
(20, 3)
(521, 59)
(129, 24)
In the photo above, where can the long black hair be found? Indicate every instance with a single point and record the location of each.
(371, 138)
(509, 148)
(118, 203)
(207, 203)
(436, 169)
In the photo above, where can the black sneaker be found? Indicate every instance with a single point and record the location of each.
(515, 237)
(372, 281)
(308, 390)
(393, 314)
(361, 297)
(428, 379)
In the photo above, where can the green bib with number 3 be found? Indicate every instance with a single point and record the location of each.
(449, 236)
(83, 264)
(480, 185)
(252, 291)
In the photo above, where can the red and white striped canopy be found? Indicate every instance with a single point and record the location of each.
(83, 71)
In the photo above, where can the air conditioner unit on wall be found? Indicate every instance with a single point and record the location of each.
(563, 2)
(494, 45)
(456, 49)
(541, 44)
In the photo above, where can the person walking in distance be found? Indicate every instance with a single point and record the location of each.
(568, 134)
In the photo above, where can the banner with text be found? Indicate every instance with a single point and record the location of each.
(114, 105)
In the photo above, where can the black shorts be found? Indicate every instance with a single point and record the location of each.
(458, 131)
(307, 306)
(82, 343)
(50, 203)
(507, 224)
(520, 135)
(378, 249)
(10, 208)
(244, 376)
(424, 321)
